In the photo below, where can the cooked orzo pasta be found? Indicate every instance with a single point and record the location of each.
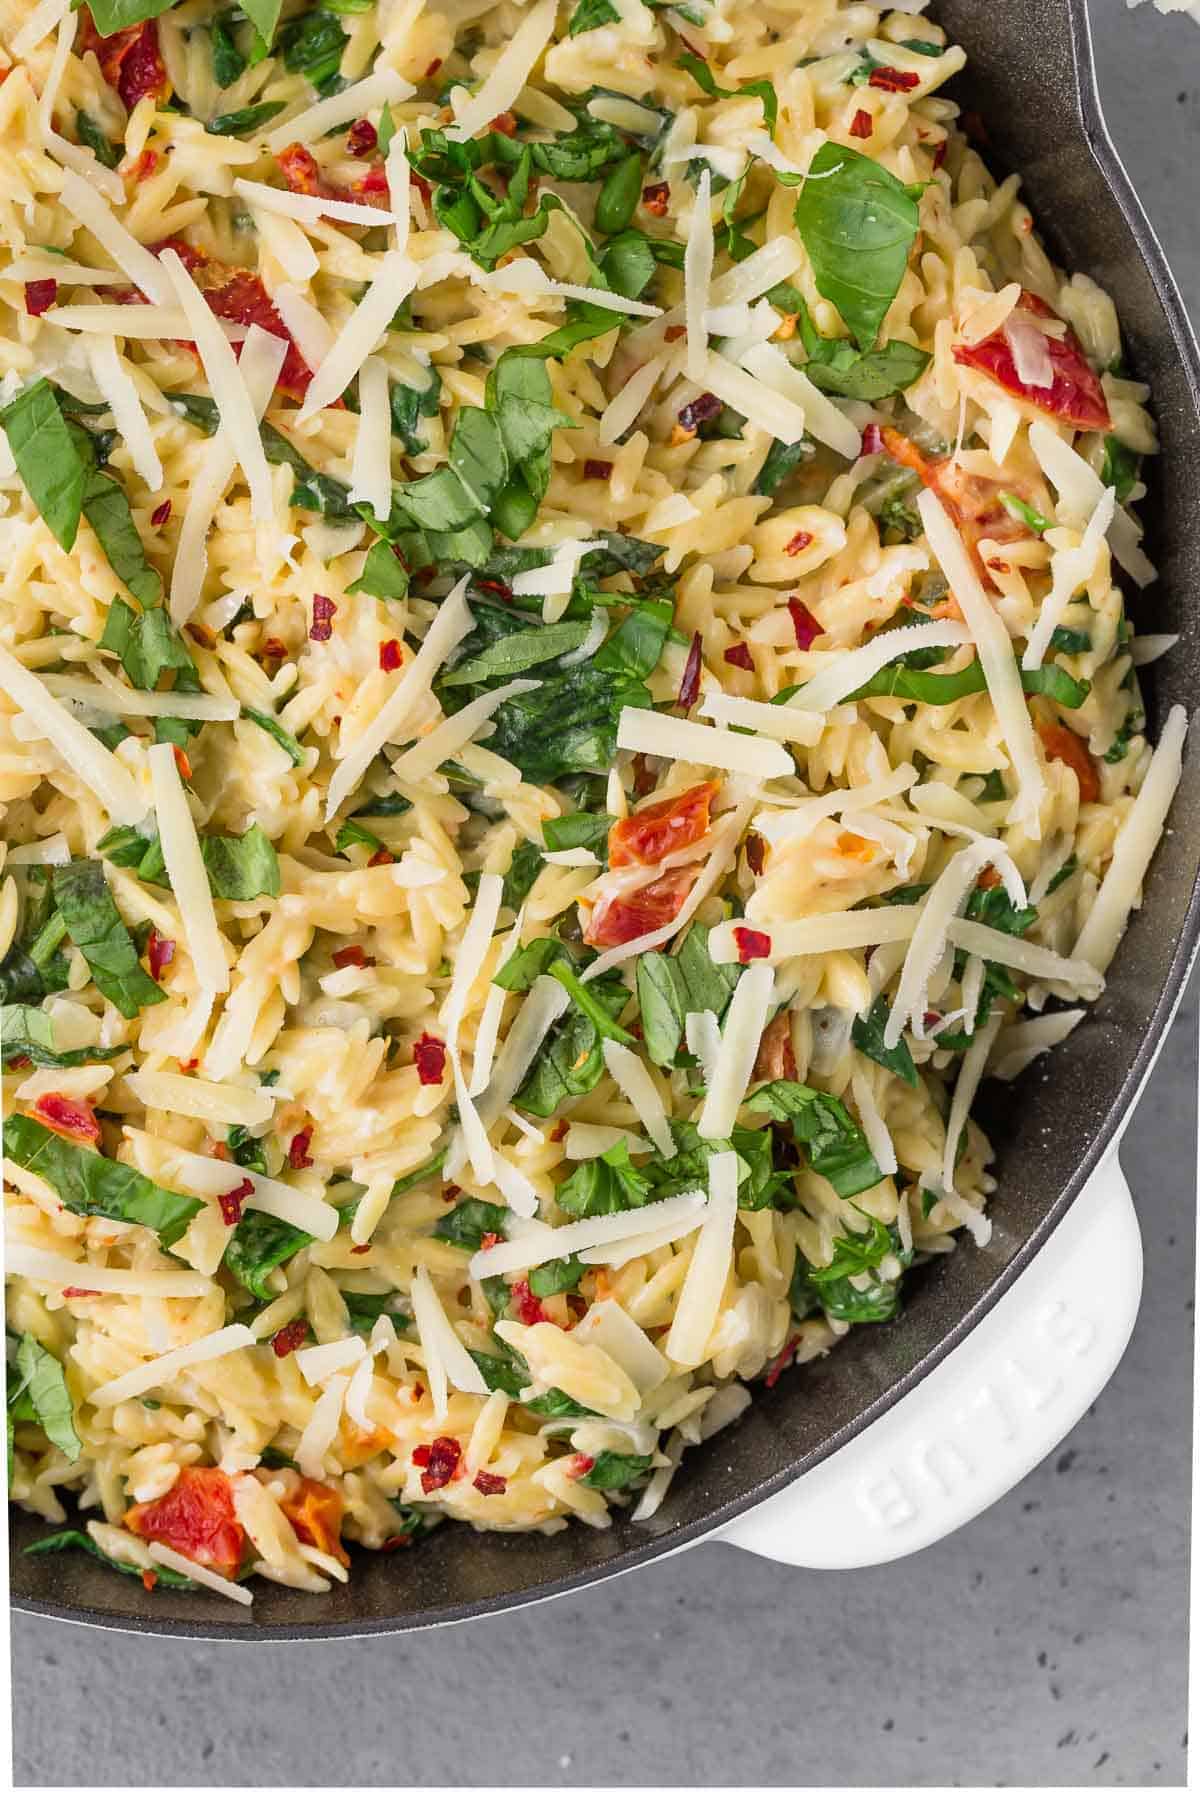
(566, 695)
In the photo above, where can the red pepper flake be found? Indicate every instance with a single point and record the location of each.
(145, 166)
(656, 197)
(20, 1062)
(391, 655)
(862, 124)
(160, 953)
(74, 1293)
(352, 957)
(360, 1250)
(560, 1131)
(274, 650)
(800, 542)
(529, 1308)
(433, 68)
(193, 1062)
(756, 853)
(429, 1054)
(361, 138)
(805, 624)
(781, 1362)
(505, 123)
(182, 763)
(438, 1462)
(699, 411)
(579, 1466)
(752, 945)
(74, 1118)
(893, 81)
(739, 655)
(489, 1240)
(930, 1019)
(872, 441)
(40, 296)
(149, 1580)
(321, 629)
(399, 1542)
(939, 155)
(689, 687)
(161, 514)
(489, 1484)
(231, 1203)
(450, 1192)
(595, 470)
(379, 859)
(298, 1157)
(673, 333)
(290, 1337)
(374, 181)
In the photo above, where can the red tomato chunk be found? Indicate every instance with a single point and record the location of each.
(195, 1517)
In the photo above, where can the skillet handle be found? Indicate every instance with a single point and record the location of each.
(983, 1418)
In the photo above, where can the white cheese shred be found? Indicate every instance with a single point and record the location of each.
(741, 1035)
(712, 1258)
(512, 69)
(359, 337)
(637, 1084)
(937, 910)
(185, 867)
(371, 467)
(447, 1358)
(96, 767)
(697, 277)
(164, 1368)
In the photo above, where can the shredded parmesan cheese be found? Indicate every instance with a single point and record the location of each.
(708, 1271)
(95, 766)
(185, 866)
(637, 1084)
(360, 335)
(161, 1369)
(683, 740)
(513, 67)
(741, 1035)
(446, 1357)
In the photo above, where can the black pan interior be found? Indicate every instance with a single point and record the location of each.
(1039, 113)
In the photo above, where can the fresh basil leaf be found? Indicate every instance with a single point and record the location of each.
(868, 375)
(313, 492)
(523, 871)
(274, 729)
(858, 224)
(837, 1148)
(79, 1540)
(44, 1385)
(589, 14)
(366, 1309)
(409, 405)
(567, 723)
(148, 647)
(607, 1184)
(613, 1469)
(110, 16)
(759, 1183)
(99, 932)
(507, 1374)
(241, 868)
(571, 1061)
(258, 1246)
(93, 139)
(26, 1031)
(91, 1185)
(526, 964)
(579, 831)
(246, 118)
(312, 45)
(1120, 467)
(908, 678)
(264, 16)
(384, 576)
(1028, 515)
(703, 76)
(228, 63)
(562, 1276)
(867, 1036)
(1070, 641)
(47, 458)
(512, 655)
(782, 460)
(636, 646)
(469, 1223)
(670, 987)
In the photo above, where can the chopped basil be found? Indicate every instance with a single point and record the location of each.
(1120, 467)
(703, 76)
(79, 1540)
(92, 138)
(384, 576)
(282, 736)
(97, 929)
(589, 14)
(613, 1469)
(670, 987)
(579, 831)
(836, 1146)
(1028, 515)
(469, 1223)
(93, 1185)
(858, 224)
(782, 460)
(607, 1184)
(561, 1276)
(245, 119)
(867, 1036)
(41, 1394)
(26, 1031)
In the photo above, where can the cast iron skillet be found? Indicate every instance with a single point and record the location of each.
(1031, 78)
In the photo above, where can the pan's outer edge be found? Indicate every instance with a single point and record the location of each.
(1091, 121)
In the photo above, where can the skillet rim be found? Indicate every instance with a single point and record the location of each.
(1091, 122)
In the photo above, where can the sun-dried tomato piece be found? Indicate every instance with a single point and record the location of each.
(391, 655)
(658, 830)
(160, 953)
(361, 138)
(751, 945)
(740, 657)
(429, 1054)
(289, 1337)
(40, 296)
(243, 300)
(656, 198)
(1075, 394)
(231, 1203)
(579, 1465)
(129, 59)
(619, 918)
(380, 859)
(438, 1462)
(72, 1118)
(74, 1293)
(315, 1513)
(529, 1308)
(1061, 745)
(862, 124)
(805, 624)
(489, 1484)
(323, 609)
(973, 501)
(689, 685)
(195, 1517)
(872, 440)
(756, 853)
(302, 172)
(594, 469)
(298, 1157)
(798, 543)
(776, 1059)
(893, 81)
(161, 513)
(353, 956)
(699, 411)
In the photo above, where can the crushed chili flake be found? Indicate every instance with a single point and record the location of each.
(161, 514)
(560, 1131)
(74, 1118)
(740, 657)
(489, 1484)
(699, 411)
(360, 1250)
(391, 655)
(429, 1054)
(379, 859)
(781, 1362)
(160, 953)
(595, 470)
(149, 1580)
(20, 1062)
(862, 124)
(529, 1308)
(505, 123)
(579, 1466)
(939, 155)
(450, 1192)
(930, 1019)
(145, 166)
(182, 762)
(689, 686)
(400, 1542)
(298, 1157)
(894, 81)
(274, 650)
(673, 333)
(40, 296)
(872, 441)
(438, 1462)
(352, 957)
(490, 1239)
(323, 609)
(756, 853)
(805, 624)
(361, 138)
(290, 1337)
(74, 1293)
(656, 197)
(374, 181)
(989, 878)
(433, 68)
(798, 543)
(751, 945)
(231, 1203)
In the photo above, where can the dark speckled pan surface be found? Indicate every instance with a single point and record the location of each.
(1030, 79)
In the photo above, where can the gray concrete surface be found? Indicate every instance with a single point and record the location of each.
(1044, 1645)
